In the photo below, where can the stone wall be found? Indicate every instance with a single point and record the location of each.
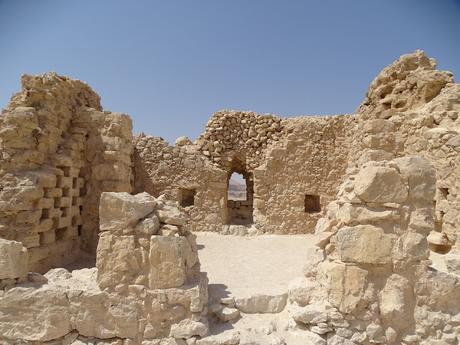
(147, 285)
(59, 151)
(310, 162)
(172, 170)
(371, 281)
(283, 159)
(427, 125)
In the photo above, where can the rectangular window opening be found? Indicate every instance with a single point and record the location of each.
(187, 197)
(312, 203)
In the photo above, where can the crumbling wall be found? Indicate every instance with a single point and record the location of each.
(283, 160)
(171, 170)
(371, 281)
(54, 137)
(427, 125)
(147, 285)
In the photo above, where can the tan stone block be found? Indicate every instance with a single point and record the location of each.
(167, 262)
(37, 254)
(29, 240)
(53, 192)
(13, 260)
(64, 201)
(47, 237)
(44, 225)
(346, 285)
(380, 184)
(45, 203)
(64, 222)
(30, 217)
(117, 211)
(365, 244)
(64, 182)
(61, 160)
(117, 260)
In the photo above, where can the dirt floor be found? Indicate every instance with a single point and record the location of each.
(243, 266)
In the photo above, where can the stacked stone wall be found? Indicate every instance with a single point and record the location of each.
(47, 177)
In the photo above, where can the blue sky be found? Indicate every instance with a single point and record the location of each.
(171, 64)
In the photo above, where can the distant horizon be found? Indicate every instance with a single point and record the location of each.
(171, 65)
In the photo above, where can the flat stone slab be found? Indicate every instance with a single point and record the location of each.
(252, 268)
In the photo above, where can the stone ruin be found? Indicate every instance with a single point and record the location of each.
(97, 226)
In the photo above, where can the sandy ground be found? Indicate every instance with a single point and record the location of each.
(242, 266)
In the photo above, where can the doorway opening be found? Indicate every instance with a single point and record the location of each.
(240, 194)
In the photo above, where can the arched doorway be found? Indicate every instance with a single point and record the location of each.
(240, 194)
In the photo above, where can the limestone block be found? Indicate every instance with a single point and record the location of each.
(35, 314)
(395, 301)
(169, 230)
(301, 290)
(117, 260)
(117, 211)
(421, 176)
(188, 328)
(29, 217)
(365, 244)
(13, 260)
(347, 285)
(228, 337)
(167, 262)
(261, 303)
(349, 214)
(171, 215)
(13, 199)
(310, 314)
(380, 184)
(226, 314)
(29, 239)
(411, 246)
(148, 226)
(102, 315)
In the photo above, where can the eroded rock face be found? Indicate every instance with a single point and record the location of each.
(406, 84)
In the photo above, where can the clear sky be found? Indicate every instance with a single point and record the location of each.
(170, 64)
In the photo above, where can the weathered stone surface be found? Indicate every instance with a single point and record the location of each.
(35, 313)
(310, 314)
(261, 303)
(13, 260)
(395, 300)
(364, 244)
(230, 337)
(171, 215)
(60, 151)
(122, 210)
(188, 328)
(301, 290)
(347, 285)
(117, 260)
(167, 262)
(380, 184)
